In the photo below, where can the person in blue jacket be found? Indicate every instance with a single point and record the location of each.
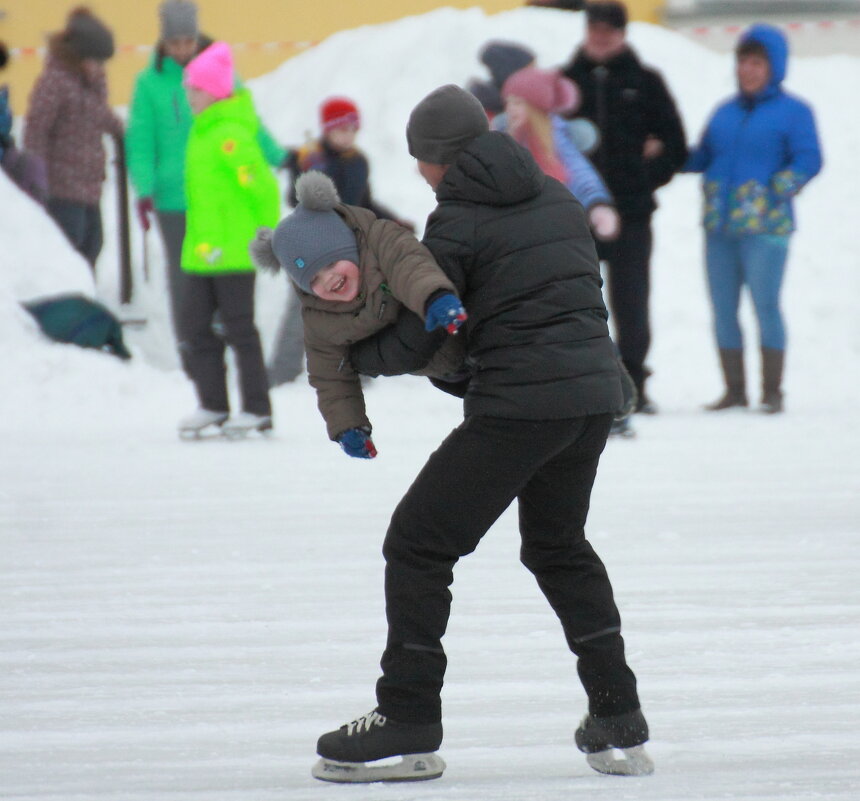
(759, 149)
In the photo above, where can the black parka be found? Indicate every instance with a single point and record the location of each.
(629, 102)
(517, 246)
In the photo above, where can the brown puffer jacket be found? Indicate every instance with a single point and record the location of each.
(395, 270)
(65, 121)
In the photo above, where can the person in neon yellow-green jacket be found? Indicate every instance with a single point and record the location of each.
(231, 192)
(159, 121)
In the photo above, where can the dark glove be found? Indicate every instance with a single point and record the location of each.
(145, 207)
(290, 160)
(445, 312)
(356, 442)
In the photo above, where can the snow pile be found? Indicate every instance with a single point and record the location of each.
(387, 69)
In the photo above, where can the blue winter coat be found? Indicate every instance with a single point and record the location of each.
(757, 152)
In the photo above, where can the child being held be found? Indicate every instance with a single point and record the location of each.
(353, 273)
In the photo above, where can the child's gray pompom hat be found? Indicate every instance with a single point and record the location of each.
(314, 235)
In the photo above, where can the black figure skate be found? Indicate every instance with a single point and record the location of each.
(599, 738)
(361, 751)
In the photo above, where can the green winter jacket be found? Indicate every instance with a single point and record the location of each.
(159, 120)
(231, 189)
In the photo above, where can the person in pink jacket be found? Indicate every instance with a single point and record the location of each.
(66, 118)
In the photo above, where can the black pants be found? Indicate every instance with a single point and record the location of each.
(628, 260)
(465, 486)
(82, 225)
(172, 227)
(232, 295)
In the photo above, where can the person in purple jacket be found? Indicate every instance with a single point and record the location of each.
(759, 149)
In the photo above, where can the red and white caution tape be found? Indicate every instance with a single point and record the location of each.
(32, 52)
(807, 26)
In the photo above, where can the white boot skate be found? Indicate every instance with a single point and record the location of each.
(201, 423)
(242, 424)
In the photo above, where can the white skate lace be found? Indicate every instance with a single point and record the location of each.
(365, 723)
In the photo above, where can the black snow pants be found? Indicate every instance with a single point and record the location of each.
(172, 227)
(82, 225)
(202, 350)
(628, 261)
(549, 466)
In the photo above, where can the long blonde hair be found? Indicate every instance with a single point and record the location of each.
(536, 134)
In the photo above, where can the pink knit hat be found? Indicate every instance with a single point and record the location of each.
(546, 90)
(212, 71)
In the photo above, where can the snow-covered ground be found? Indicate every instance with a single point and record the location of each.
(181, 621)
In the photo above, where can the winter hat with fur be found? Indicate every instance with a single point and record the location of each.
(337, 111)
(87, 37)
(546, 90)
(311, 238)
(212, 71)
(444, 123)
(178, 19)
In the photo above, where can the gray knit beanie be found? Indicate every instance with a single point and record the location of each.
(312, 237)
(444, 123)
(178, 19)
(87, 36)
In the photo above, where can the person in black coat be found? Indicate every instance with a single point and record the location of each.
(642, 145)
(542, 388)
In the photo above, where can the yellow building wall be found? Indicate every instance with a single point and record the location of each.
(264, 32)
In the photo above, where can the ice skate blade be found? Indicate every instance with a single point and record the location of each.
(412, 768)
(194, 434)
(634, 762)
(243, 432)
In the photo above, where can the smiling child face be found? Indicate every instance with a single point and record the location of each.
(338, 281)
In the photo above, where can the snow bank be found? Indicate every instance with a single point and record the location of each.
(387, 69)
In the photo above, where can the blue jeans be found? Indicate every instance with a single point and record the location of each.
(757, 260)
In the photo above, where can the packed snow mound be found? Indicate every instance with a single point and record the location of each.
(387, 69)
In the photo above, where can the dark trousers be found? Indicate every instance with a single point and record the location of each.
(172, 227)
(232, 296)
(549, 466)
(82, 225)
(628, 261)
(288, 357)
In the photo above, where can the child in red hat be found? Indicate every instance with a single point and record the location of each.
(335, 154)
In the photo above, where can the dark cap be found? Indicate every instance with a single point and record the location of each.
(609, 12)
(87, 36)
(503, 59)
(444, 123)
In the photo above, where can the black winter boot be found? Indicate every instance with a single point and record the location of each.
(772, 363)
(732, 362)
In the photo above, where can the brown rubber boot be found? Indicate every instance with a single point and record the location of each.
(772, 364)
(732, 362)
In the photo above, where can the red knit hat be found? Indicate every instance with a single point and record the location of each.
(337, 111)
(547, 90)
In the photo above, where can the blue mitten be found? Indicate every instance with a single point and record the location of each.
(445, 312)
(356, 442)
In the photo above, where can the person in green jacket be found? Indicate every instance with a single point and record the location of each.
(231, 192)
(158, 124)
